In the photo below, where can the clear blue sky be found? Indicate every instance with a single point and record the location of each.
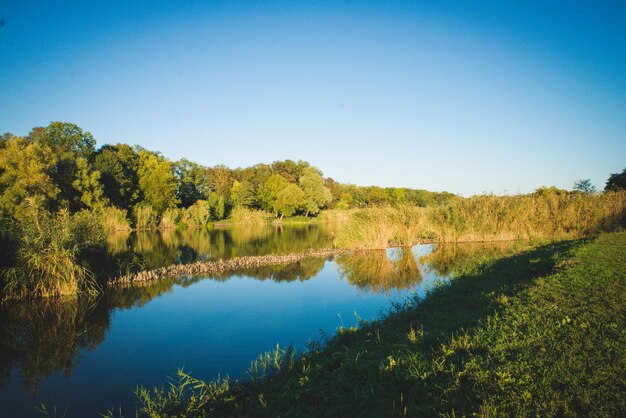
(467, 96)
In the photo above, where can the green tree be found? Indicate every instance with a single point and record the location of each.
(585, 186)
(288, 200)
(316, 195)
(88, 184)
(68, 142)
(241, 194)
(157, 181)
(118, 166)
(376, 196)
(25, 174)
(191, 182)
(268, 192)
(616, 181)
(219, 180)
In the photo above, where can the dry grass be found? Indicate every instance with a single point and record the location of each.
(543, 215)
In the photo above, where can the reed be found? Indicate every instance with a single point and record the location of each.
(114, 219)
(45, 260)
(242, 215)
(546, 214)
(197, 215)
(170, 218)
(145, 217)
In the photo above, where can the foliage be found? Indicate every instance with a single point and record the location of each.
(157, 181)
(316, 195)
(68, 142)
(288, 200)
(118, 166)
(170, 218)
(585, 186)
(88, 184)
(616, 181)
(268, 192)
(191, 179)
(25, 173)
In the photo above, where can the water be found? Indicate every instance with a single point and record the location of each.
(89, 355)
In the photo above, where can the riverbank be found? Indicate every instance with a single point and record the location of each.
(539, 332)
(217, 267)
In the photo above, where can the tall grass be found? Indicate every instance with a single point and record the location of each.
(197, 215)
(544, 214)
(114, 219)
(145, 217)
(377, 228)
(45, 260)
(170, 218)
(241, 215)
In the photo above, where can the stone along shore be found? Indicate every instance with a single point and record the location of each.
(218, 266)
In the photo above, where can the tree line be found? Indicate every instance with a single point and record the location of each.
(58, 166)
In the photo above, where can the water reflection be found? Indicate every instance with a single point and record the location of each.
(454, 260)
(380, 270)
(43, 337)
(130, 252)
(38, 338)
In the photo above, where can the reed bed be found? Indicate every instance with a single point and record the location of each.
(546, 214)
(241, 215)
(114, 219)
(219, 266)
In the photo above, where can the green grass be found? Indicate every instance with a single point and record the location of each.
(539, 332)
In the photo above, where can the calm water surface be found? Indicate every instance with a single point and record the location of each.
(89, 355)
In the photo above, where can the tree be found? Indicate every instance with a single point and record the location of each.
(88, 184)
(585, 186)
(268, 192)
(376, 196)
(219, 179)
(616, 181)
(191, 182)
(157, 181)
(316, 195)
(118, 166)
(68, 142)
(241, 194)
(288, 200)
(289, 169)
(25, 174)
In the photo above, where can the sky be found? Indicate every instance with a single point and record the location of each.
(467, 97)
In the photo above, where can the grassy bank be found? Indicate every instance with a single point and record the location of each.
(538, 332)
